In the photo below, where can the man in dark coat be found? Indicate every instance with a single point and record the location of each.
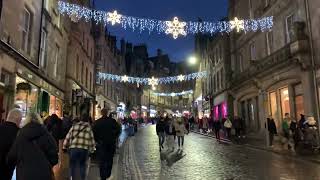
(55, 127)
(160, 128)
(8, 132)
(106, 131)
(272, 129)
(34, 151)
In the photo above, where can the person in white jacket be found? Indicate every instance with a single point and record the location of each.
(180, 131)
(228, 126)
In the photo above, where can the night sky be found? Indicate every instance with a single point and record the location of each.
(186, 10)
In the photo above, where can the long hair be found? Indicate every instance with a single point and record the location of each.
(32, 117)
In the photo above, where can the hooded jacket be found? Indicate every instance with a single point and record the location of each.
(8, 132)
(34, 153)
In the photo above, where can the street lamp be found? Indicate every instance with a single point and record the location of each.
(192, 60)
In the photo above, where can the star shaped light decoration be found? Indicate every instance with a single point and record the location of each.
(113, 17)
(237, 24)
(181, 78)
(153, 82)
(124, 78)
(176, 27)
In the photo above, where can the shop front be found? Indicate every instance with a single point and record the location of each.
(34, 94)
(6, 93)
(286, 99)
(220, 107)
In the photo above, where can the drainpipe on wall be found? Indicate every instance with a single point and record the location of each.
(313, 63)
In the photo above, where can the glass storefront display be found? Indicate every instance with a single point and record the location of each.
(26, 97)
(55, 106)
(274, 107)
(285, 103)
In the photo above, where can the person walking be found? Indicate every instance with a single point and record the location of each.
(272, 129)
(228, 125)
(8, 133)
(79, 142)
(160, 129)
(106, 131)
(217, 127)
(55, 127)
(170, 133)
(285, 126)
(237, 126)
(180, 132)
(34, 151)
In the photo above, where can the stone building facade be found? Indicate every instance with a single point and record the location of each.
(32, 40)
(271, 70)
(215, 55)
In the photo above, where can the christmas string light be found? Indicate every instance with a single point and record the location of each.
(151, 81)
(174, 27)
(174, 94)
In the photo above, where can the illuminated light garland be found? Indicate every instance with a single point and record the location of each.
(76, 12)
(174, 94)
(151, 81)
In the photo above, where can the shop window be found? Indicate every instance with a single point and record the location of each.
(55, 106)
(285, 102)
(26, 96)
(274, 107)
(26, 31)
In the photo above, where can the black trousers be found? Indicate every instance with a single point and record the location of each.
(105, 157)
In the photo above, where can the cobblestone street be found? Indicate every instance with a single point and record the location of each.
(207, 159)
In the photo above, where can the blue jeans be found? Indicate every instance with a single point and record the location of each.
(78, 157)
(162, 137)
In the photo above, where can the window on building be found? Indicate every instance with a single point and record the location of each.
(56, 60)
(26, 31)
(267, 2)
(222, 78)
(269, 41)
(0, 8)
(90, 82)
(59, 20)
(86, 83)
(218, 80)
(289, 27)
(252, 51)
(241, 65)
(82, 72)
(77, 68)
(251, 9)
(43, 50)
(46, 4)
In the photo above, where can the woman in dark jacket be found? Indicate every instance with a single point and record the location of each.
(34, 151)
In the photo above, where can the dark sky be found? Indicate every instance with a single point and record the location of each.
(186, 10)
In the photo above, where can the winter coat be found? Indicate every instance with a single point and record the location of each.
(106, 131)
(237, 123)
(55, 127)
(34, 153)
(161, 126)
(180, 129)
(217, 125)
(8, 133)
(272, 128)
(170, 129)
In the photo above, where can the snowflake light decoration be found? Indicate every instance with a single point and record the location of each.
(124, 78)
(176, 27)
(181, 78)
(113, 17)
(237, 24)
(153, 82)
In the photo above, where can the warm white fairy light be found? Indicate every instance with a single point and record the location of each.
(181, 78)
(114, 17)
(125, 78)
(237, 24)
(176, 28)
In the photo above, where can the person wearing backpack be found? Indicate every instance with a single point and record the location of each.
(79, 143)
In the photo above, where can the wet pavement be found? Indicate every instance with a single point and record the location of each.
(204, 158)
